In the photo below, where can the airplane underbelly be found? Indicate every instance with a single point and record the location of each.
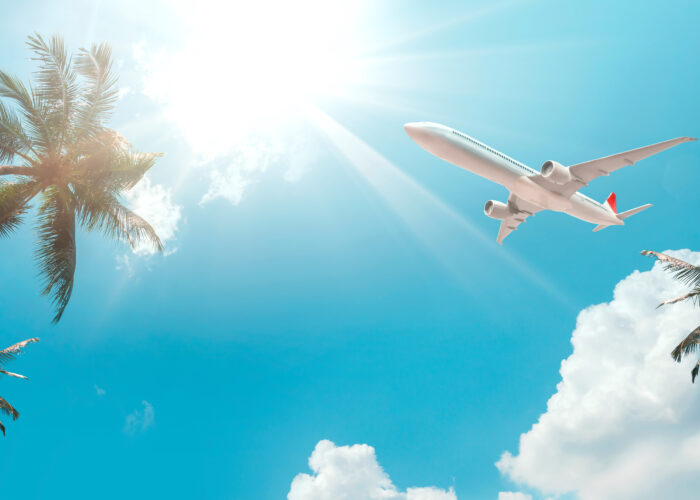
(587, 211)
(529, 191)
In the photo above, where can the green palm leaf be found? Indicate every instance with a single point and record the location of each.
(104, 212)
(10, 353)
(118, 173)
(7, 409)
(56, 249)
(688, 346)
(13, 139)
(77, 166)
(689, 274)
(129, 168)
(108, 161)
(13, 204)
(100, 94)
(684, 272)
(57, 85)
(33, 109)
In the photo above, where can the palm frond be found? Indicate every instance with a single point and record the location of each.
(93, 155)
(2, 428)
(7, 409)
(688, 346)
(56, 250)
(57, 85)
(682, 271)
(116, 170)
(104, 212)
(95, 66)
(11, 352)
(16, 375)
(695, 294)
(13, 204)
(32, 107)
(129, 169)
(13, 139)
(80, 167)
(694, 372)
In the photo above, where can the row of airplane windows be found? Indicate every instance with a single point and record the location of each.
(519, 165)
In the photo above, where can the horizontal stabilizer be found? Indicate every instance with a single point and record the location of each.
(630, 213)
(598, 228)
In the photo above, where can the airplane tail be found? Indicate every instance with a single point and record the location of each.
(611, 203)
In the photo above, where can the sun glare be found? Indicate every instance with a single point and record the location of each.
(245, 66)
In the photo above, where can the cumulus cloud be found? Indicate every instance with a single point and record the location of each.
(154, 203)
(139, 420)
(352, 473)
(623, 422)
(513, 495)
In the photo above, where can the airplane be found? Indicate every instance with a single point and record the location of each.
(554, 187)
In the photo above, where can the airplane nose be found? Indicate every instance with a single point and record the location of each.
(411, 127)
(415, 130)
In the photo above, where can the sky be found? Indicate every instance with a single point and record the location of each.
(331, 317)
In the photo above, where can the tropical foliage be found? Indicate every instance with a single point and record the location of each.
(59, 153)
(689, 275)
(8, 354)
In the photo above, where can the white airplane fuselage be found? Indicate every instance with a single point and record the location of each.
(468, 153)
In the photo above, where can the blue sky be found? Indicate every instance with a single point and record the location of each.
(325, 277)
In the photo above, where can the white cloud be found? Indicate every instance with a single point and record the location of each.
(232, 173)
(352, 473)
(124, 264)
(235, 147)
(513, 495)
(154, 203)
(123, 92)
(623, 423)
(99, 390)
(139, 420)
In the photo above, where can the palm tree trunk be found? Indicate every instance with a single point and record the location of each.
(13, 170)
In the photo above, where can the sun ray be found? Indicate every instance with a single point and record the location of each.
(464, 19)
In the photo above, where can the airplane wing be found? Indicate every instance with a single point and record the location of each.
(585, 172)
(521, 210)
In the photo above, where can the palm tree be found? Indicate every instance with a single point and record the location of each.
(689, 275)
(7, 354)
(52, 136)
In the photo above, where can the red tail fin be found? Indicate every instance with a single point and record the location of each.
(612, 202)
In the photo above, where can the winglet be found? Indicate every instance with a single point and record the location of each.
(612, 202)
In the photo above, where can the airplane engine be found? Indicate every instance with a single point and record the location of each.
(556, 172)
(497, 210)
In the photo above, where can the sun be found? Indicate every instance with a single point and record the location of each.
(245, 66)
